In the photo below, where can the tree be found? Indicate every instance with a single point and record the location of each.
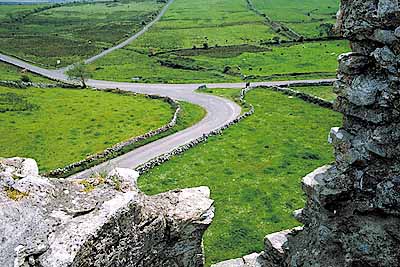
(80, 72)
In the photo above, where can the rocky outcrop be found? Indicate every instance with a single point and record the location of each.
(99, 221)
(352, 213)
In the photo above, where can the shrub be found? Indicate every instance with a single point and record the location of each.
(26, 79)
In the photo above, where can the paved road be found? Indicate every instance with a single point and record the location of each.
(219, 111)
(59, 75)
(133, 37)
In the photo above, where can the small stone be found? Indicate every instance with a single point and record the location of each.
(298, 215)
(386, 58)
(386, 7)
(364, 89)
(397, 32)
(352, 63)
(384, 36)
(31, 261)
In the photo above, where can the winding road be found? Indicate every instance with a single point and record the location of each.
(220, 111)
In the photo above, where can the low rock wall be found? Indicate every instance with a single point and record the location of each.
(24, 85)
(306, 97)
(117, 149)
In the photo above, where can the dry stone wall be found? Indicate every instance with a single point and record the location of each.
(119, 148)
(303, 96)
(99, 221)
(24, 85)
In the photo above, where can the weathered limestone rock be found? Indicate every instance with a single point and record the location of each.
(99, 221)
(252, 260)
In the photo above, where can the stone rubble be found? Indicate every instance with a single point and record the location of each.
(99, 221)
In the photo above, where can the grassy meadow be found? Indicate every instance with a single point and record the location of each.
(12, 73)
(218, 41)
(309, 18)
(60, 126)
(253, 170)
(71, 32)
(324, 92)
(224, 64)
(200, 41)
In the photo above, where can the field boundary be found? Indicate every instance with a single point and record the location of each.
(303, 96)
(277, 27)
(157, 161)
(24, 85)
(117, 149)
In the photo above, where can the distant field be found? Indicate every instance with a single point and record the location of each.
(220, 41)
(8, 12)
(253, 170)
(42, 123)
(199, 41)
(225, 64)
(70, 32)
(197, 23)
(324, 92)
(310, 18)
(11, 73)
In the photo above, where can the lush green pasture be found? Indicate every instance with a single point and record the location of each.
(324, 92)
(253, 170)
(310, 18)
(61, 126)
(284, 60)
(10, 12)
(11, 73)
(225, 64)
(218, 41)
(190, 23)
(125, 65)
(73, 31)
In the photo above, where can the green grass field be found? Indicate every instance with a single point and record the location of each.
(324, 92)
(218, 41)
(200, 41)
(213, 22)
(60, 126)
(310, 18)
(253, 170)
(71, 32)
(10, 12)
(224, 64)
(11, 73)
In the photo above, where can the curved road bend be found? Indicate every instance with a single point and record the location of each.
(219, 111)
